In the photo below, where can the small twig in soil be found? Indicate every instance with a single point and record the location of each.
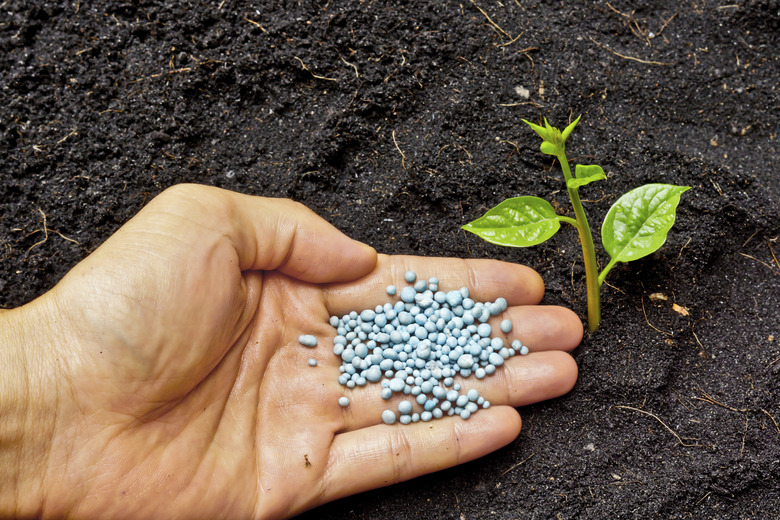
(709, 399)
(717, 187)
(773, 254)
(625, 57)
(73, 132)
(759, 261)
(613, 287)
(648, 321)
(353, 66)
(664, 25)
(317, 76)
(633, 24)
(773, 420)
(513, 41)
(679, 439)
(517, 149)
(749, 239)
(624, 15)
(533, 103)
(403, 156)
(684, 246)
(491, 22)
(45, 231)
(703, 352)
(518, 464)
(256, 24)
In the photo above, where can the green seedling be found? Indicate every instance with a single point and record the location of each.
(635, 226)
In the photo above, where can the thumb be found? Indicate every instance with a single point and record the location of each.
(273, 234)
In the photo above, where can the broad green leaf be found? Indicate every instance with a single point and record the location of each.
(636, 225)
(568, 129)
(585, 174)
(549, 148)
(517, 222)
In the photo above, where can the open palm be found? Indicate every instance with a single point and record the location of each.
(183, 391)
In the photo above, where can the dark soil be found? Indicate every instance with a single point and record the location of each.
(399, 122)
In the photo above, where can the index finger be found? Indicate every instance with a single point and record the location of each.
(486, 280)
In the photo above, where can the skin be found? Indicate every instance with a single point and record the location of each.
(162, 376)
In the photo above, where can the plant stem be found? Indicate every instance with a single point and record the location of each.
(606, 270)
(588, 250)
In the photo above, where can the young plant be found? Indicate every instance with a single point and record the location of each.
(635, 226)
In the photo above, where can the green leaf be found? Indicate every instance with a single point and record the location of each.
(517, 222)
(538, 129)
(549, 148)
(637, 224)
(585, 174)
(568, 129)
(583, 171)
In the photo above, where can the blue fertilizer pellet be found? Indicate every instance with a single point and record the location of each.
(405, 407)
(312, 362)
(343, 401)
(484, 330)
(496, 359)
(408, 294)
(416, 346)
(307, 340)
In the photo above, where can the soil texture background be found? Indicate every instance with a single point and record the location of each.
(399, 122)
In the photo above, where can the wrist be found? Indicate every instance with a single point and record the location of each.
(27, 413)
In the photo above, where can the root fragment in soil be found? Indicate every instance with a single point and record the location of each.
(679, 439)
(403, 156)
(316, 76)
(45, 230)
(518, 464)
(626, 57)
(492, 23)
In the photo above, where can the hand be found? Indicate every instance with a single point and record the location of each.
(162, 376)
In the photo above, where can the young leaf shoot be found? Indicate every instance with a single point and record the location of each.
(635, 226)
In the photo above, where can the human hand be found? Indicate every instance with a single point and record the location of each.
(162, 376)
